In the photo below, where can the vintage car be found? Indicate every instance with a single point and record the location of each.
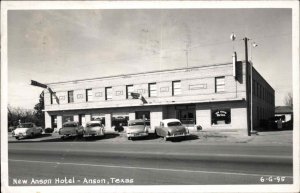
(137, 128)
(93, 128)
(24, 130)
(171, 128)
(71, 128)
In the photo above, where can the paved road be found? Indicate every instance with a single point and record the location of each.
(50, 163)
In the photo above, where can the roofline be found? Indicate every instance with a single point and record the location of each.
(140, 73)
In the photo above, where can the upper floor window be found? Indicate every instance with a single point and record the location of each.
(70, 96)
(152, 89)
(53, 98)
(220, 84)
(176, 88)
(88, 94)
(129, 90)
(108, 93)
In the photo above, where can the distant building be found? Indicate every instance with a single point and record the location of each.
(213, 96)
(284, 111)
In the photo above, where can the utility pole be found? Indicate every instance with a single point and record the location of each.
(249, 102)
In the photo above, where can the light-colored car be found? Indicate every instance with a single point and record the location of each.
(71, 128)
(137, 128)
(171, 128)
(93, 128)
(26, 130)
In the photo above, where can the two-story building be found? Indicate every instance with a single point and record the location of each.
(213, 96)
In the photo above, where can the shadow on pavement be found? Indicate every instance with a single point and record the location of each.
(69, 139)
(151, 136)
(187, 138)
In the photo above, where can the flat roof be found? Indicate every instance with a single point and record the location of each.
(140, 73)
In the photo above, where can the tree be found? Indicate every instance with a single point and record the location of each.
(39, 114)
(288, 100)
(16, 113)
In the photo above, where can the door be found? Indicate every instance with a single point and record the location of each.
(53, 121)
(82, 120)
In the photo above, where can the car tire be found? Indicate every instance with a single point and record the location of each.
(129, 138)
(31, 135)
(17, 138)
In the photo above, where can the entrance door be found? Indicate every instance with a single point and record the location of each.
(53, 121)
(186, 114)
(82, 120)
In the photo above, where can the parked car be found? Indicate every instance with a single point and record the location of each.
(71, 128)
(93, 128)
(137, 128)
(24, 130)
(171, 128)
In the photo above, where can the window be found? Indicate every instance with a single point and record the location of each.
(108, 93)
(88, 95)
(176, 88)
(70, 96)
(220, 84)
(129, 90)
(152, 89)
(119, 120)
(220, 116)
(98, 117)
(53, 98)
(67, 118)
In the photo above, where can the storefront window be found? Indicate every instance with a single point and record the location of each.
(116, 120)
(220, 116)
(67, 118)
(98, 117)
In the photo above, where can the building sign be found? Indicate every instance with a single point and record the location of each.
(141, 91)
(164, 89)
(221, 116)
(198, 86)
(118, 93)
(98, 94)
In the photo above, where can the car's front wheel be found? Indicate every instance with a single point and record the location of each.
(17, 138)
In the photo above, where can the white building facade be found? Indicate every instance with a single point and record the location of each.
(213, 97)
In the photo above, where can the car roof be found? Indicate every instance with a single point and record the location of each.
(137, 120)
(93, 122)
(70, 122)
(170, 120)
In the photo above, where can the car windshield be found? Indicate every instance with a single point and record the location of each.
(25, 125)
(175, 123)
(70, 125)
(136, 123)
(94, 125)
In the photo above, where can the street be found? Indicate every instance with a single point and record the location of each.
(106, 163)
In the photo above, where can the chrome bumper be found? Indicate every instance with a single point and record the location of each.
(177, 135)
(137, 134)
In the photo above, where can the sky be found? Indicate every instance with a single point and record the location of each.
(61, 45)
